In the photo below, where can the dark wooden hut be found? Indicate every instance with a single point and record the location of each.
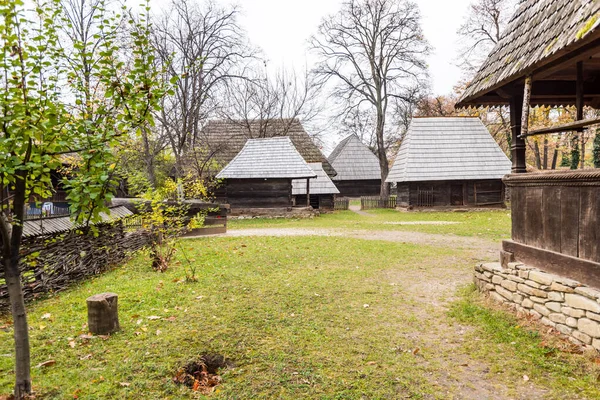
(221, 140)
(450, 161)
(357, 168)
(322, 190)
(549, 55)
(261, 174)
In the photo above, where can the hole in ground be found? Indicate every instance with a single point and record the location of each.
(202, 375)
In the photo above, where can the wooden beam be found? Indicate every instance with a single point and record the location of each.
(525, 112)
(579, 91)
(569, 127)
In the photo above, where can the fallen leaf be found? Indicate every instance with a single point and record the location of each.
(72, 344)
(158, 332)
(46, 363)
(86, 357)
(365, 305)
(525, 378)
(371, 363)
(139, 321)
(416, 351)
(144, 329)
(153, 317)
(46, 316)
(125, 384)
(171, 318)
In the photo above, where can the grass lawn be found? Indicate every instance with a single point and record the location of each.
(301, 317)
(494, 224)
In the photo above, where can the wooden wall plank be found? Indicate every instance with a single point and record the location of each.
(589, 228)
(552, 220)
(534, 217)
(569, 214)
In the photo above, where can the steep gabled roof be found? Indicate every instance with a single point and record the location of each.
(267, 158)
(225, 138)
(321, 185)
(449, 148)
(352, 160)
(539, 33)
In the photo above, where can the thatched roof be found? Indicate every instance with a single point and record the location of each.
(541, 35)
(320, 185)
(225, 139)
(449, 148)
(353, 160)
(267, 158)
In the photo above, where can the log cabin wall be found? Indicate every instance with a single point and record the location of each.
(555, 222)
(317, 201)
(256, 193)
(358, 188)
(452, 193)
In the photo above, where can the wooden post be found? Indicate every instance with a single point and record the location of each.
(518, 144)
(579, 104)
(103, 316)
(307, 192)
(525, 111)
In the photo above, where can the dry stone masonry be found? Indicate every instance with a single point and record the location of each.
(568, 306)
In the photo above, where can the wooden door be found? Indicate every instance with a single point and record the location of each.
(456, 194)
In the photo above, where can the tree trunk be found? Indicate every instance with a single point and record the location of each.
(554, 158)
(21, 330)
(383, 161)
(582, 150)
(538, 159)
(103, 313)
(545, 165)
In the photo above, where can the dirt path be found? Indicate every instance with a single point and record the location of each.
(357, 210)
(428, 291)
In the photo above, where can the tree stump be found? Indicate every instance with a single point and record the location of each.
(103, 317)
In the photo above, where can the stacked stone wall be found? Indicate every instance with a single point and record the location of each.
(570, 307)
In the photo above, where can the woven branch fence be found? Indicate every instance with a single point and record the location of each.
(369, 203)
(52, 263)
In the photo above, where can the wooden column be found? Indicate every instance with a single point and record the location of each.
(308, 192)
(518, 144)
(579, 104)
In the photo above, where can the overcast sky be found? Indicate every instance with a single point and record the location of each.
(281, 29)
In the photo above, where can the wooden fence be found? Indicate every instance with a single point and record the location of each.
(425, 198)
(369, 203)
(342, 203)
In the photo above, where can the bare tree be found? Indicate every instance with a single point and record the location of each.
(261, 101)
(482, 30)
(374, 52)
(203, 49)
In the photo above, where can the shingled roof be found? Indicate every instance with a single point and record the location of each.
(267, 158)
(450, 148)
(321, 185)
(539, 33)
(225, 138)
(353, 160)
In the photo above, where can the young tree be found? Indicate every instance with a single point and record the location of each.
(44, 117)
(374, 53)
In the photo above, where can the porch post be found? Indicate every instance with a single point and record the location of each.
(307, 192)
(579, 103)
(518, 144)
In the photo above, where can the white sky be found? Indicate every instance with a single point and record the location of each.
(281, 29)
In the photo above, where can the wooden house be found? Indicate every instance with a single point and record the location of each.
(449, 161)
(357, 168)
(221, 140)
(322, 190)
(261, 174)
(549, 55)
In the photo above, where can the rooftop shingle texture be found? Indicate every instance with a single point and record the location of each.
(536, 34)
(226, 138)
(437, 149)
(352, 160)
(267, 158)
(46, 226)
(320, 185)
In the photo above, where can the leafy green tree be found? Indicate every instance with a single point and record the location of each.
(49, 107)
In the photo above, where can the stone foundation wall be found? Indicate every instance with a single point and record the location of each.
(568, 306)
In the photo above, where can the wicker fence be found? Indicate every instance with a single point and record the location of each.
(342, 203)
(66, 258)
(369, 203)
